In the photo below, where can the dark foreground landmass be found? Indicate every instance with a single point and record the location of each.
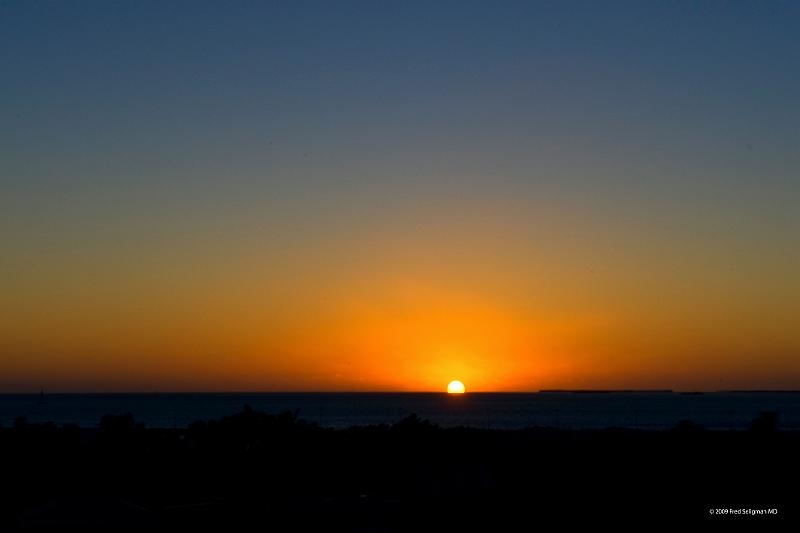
(254, 471)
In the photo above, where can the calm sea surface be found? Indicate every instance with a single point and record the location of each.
(483, 410)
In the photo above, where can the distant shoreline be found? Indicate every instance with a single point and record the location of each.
(580, 409)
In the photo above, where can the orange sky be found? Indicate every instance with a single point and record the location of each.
(286, 196)
(503, 299)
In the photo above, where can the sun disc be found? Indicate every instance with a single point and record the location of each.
(455, 387)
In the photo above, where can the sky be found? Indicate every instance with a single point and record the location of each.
(257, 196)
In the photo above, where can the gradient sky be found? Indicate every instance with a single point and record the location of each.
(389, 195)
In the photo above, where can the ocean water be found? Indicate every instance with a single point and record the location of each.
(569, 410)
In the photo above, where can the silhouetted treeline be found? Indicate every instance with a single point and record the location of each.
(282, 473)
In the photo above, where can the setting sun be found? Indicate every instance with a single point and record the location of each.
(455, 387)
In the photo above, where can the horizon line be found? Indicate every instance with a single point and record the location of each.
(444, 392)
